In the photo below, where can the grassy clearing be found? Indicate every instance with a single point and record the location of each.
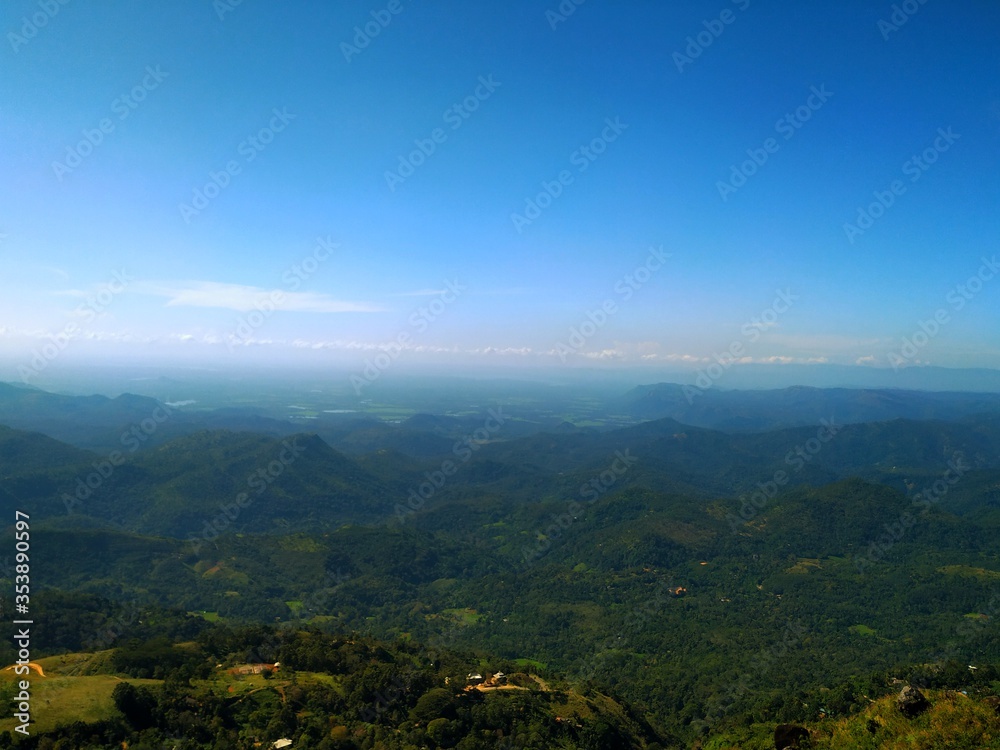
(966, 571)
(804, 565)
(60, 699)
(463, 615)
(205, 615)
(530, 663)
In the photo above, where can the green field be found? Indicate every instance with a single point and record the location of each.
(530, 663)
(210, 616)
(58, 699)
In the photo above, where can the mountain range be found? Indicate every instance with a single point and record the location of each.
(698, 574)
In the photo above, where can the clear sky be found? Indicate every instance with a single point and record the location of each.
(473, 182)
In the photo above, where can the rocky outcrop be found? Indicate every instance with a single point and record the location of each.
(790, 737)
(911, 702)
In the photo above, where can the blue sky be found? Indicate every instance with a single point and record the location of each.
(304, 124)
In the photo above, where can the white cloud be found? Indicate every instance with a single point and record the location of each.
(604, 354)
(420, 293)
(51, 269)
(520, 351)
(245, 298)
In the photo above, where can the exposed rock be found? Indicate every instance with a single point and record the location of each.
(912, 702)
(790, 737)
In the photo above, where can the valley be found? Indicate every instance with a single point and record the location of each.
(705, 578)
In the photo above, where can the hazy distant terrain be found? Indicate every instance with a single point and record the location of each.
(856, 529)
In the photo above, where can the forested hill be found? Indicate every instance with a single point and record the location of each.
(754, 410)
(716, 583)
(178, 682)
(263, 483)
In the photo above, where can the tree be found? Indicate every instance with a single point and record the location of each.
(137, 704)
(433, 704)
(443, 732)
